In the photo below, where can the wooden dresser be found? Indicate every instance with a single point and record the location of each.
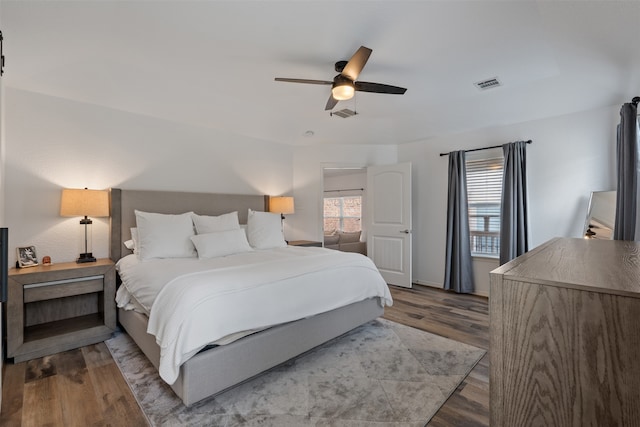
(565, 336)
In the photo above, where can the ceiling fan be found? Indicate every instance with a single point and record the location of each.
(344, 85)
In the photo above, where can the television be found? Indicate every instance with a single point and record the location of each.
(4, 263)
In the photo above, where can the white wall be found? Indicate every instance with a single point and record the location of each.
(308, 165)
(53, 143)
(570, 156)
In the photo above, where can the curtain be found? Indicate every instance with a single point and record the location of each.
(458, 267)
(626, 226)
(513, 209)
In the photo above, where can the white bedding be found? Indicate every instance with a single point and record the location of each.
(193, 302)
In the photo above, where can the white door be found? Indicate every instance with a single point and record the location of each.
(389, 221)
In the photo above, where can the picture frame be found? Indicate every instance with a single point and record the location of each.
(27, 256)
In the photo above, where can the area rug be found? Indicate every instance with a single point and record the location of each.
(380, 374)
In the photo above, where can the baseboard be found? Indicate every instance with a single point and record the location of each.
(439, 286)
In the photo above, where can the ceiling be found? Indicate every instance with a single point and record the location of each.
(213, 63)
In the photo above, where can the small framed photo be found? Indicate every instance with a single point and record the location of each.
(27, 256)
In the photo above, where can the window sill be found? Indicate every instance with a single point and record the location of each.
(483, 257)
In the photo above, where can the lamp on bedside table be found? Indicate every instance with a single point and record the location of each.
(282, 205)
(86, 203)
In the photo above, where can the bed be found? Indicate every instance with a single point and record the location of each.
(219, 367)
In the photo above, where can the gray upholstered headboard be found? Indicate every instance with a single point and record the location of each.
(124, 202)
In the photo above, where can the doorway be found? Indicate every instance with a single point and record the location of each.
(344, 201)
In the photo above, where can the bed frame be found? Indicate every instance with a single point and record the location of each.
(219, 368)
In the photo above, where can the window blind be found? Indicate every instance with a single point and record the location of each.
(484, 191)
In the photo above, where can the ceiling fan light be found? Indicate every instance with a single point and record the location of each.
(343, 91)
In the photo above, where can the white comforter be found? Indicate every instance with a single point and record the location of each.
(192, 302)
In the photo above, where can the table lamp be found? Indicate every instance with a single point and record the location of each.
(85, 203)
(282, 205)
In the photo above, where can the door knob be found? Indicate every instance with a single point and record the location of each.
(405, 231)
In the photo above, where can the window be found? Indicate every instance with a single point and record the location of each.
(484, 191)
(343, 213)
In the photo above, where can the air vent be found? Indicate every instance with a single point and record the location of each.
(488, 84)
(346, 113)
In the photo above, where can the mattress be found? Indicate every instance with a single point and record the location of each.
(192, 302)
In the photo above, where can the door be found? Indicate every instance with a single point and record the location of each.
(389, 221)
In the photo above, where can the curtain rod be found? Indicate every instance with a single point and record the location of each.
(346, 189)
(483, 148)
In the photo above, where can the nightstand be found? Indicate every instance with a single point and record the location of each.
(304, 243)
(58, 307)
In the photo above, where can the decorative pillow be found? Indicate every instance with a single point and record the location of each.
(212, 224)
(352, 237)
(264, 230)
(221, 243)
(164, 236)
(331, 239)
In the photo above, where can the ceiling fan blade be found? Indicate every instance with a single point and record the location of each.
(379, 88)
(331, 102)
(312, 82)
(356, 63)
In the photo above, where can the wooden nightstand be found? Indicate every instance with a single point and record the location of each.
(304, 243)
(58, 307)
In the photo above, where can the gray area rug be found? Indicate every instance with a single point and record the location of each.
(380, 374)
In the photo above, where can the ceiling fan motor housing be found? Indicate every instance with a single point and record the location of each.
(339, 66)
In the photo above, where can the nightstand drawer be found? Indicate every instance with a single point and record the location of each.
(62, 288)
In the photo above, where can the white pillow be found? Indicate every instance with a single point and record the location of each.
(221, 243)
(212, 224)
(264, 230)
(164, 236)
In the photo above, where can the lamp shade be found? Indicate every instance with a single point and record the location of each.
(281, 204)
(83, 202)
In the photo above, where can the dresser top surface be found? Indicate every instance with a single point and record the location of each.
(597, 265)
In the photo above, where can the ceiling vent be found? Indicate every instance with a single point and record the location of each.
(488, 84)
(345, 114)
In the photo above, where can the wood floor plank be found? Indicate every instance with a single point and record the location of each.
(84, 386)
(39, 368)
(96, 355)
(12, 394)
(77, 387)
(42, 403)
(114, 397)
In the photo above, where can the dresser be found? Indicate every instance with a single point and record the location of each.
(565, 336)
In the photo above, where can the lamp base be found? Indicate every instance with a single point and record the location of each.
(86, 257)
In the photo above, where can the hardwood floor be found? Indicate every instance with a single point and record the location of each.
(81, 387)
(84, 387)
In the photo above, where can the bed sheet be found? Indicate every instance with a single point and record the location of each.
(192, 302)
